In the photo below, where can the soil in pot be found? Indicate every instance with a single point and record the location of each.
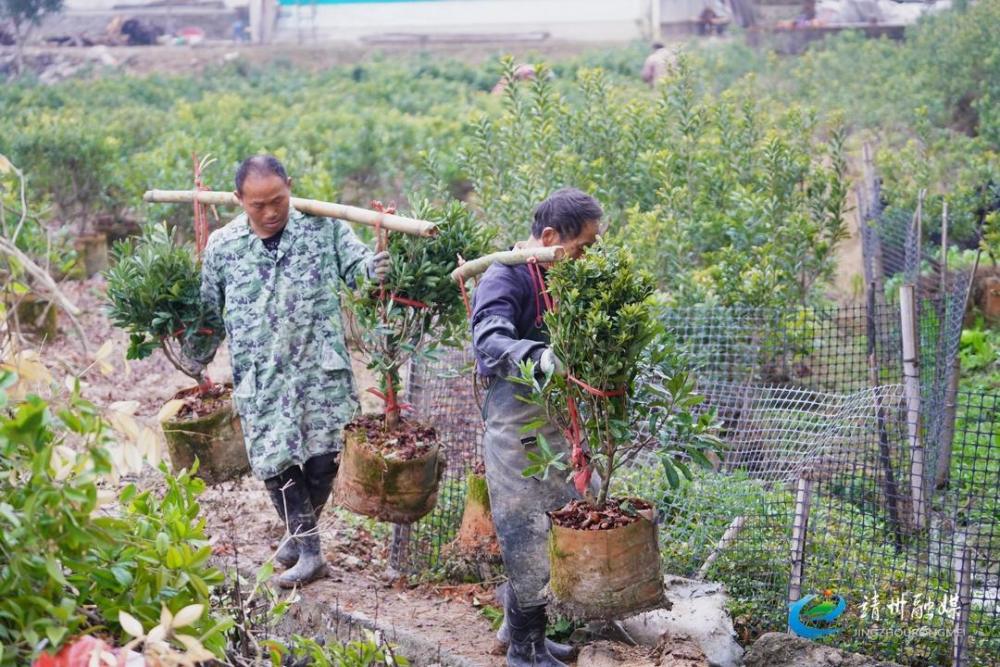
(389, 476)
(605, 563)
(92, 254)
(207, 428)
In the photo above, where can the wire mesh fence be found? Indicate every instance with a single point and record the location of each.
(837, 476)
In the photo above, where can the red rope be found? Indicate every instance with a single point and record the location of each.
(381, 235)
(406, 301)
(541, 291)
(600, 393)
(393, 405)
(381, 242)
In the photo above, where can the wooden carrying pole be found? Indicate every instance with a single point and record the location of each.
(476, 266)
(363, 216)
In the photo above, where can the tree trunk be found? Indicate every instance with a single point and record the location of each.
(392, 408)
(602, 496)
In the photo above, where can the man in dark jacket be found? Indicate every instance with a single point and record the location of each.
(507, 329)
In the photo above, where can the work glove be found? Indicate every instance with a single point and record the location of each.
(550, 364)
(378, 266)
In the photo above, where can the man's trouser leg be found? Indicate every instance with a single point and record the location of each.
(519, 507)
(319, 473)
(290, 494)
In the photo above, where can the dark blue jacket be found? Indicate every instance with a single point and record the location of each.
(505, 328)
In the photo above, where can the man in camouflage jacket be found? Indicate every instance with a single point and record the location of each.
(272, 277)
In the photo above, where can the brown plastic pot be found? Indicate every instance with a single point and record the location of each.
(216, 440)
(386, 488)
(606, 574)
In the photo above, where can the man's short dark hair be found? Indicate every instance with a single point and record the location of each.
(657, 46)
(566, 211)
(261, 165)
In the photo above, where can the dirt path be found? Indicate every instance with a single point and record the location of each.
(443, 616)
(243, 526)
(850, 273)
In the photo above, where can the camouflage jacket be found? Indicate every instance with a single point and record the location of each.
(294, 389)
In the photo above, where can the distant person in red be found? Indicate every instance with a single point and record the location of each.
(522, 72)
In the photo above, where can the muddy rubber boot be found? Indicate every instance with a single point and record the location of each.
(302, 522)
(319, 472)
(527, 637)
(558, 651)
(288, 553)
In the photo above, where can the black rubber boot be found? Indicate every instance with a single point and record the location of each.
(527, 637)
(557, 650)
(288, 552)
(320, 471)
(301, 522)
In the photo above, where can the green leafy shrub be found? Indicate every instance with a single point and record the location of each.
(603, 328)
(370, 651)
(67, 566)
(721, 199)
(418, 307)
(74, 161)
(154, 294)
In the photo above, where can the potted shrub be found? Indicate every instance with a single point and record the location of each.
(28, 259)
(474, 554)
(154, 295)
(621, 395)
(75, 158)
(390, 467)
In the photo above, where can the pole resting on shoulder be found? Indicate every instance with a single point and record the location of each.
(474, 267)
(356, 214)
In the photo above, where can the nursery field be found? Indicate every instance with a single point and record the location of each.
(785, 344)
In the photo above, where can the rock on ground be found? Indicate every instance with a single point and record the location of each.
(699, 612)
(777, 649)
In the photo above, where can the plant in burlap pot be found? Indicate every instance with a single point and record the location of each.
(390, 467)
(621, 396)
(474, 554)
(154, 295)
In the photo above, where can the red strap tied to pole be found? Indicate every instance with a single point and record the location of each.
(381, 242)
(574, 434)
(541, 291)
